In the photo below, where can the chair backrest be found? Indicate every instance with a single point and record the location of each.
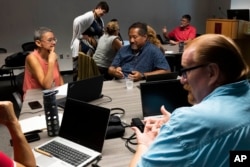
(161, 40)
(3, 50)
(29, 46)
(86, 67)
(18, 99)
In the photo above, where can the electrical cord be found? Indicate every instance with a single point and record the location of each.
(121, 112)
(96, 163)
(129, 141)
(109, 100)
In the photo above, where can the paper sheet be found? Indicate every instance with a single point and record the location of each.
(36, 123)
(169, 52)
(62, 90)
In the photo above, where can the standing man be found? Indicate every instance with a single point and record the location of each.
(140, 58)
(183, 33)
(87, 28)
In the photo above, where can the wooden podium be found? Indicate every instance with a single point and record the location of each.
(238, 30)
(234, 29)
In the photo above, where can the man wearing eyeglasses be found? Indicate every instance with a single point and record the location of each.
(41, 66)
(183, 33)
(215, 76)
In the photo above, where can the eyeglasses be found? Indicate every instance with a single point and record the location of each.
(183, 71)
(50, 40)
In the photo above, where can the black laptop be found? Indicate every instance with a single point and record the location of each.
(84, 90)
(158, 77)
(81, 137)
(169, 93)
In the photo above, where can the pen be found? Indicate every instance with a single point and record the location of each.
(43, 152)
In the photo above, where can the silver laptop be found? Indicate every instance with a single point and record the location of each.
(169, 93)
(82, 134)
(84, 90)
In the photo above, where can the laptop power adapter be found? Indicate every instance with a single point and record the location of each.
(138, 123)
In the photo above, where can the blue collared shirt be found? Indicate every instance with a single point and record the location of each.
(148, 59)
(204, 134)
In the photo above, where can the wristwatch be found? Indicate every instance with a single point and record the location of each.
(143, 76)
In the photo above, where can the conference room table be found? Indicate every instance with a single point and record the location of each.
(114, 152)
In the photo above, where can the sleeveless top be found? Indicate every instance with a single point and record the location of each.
(6, 161)
(31, 83)
(104, 53)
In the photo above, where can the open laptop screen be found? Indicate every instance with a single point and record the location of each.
(169, 93)
(86, 90)
(85, 124)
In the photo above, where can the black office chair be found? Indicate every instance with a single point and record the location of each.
(2, 70)
(161, 40)
(29, 46)
(3, 50)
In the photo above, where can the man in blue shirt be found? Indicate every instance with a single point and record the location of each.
(215, 75)
(140, 58)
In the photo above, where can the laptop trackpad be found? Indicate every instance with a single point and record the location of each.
(44, 161)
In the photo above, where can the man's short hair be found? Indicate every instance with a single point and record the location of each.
(142, 28)
(187, 16)
(103, 5)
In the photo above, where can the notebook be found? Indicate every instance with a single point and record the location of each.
(158, 77)
(84, 90)
(169, 93)
(83, 128)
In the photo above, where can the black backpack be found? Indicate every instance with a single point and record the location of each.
(16, 59)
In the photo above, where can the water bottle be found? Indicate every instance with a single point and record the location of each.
(51, 113)
(181, 46)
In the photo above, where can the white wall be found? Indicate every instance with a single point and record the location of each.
(240, 4)
(19, 18)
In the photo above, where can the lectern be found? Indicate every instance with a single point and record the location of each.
(229, 27)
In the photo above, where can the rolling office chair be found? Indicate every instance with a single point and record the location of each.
(18, 99)
(86, 67)
(161, 40)
(29, 47)
(3, 50)
(2, 70)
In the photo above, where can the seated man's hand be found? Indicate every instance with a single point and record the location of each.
(135, 75)
(164, 30)
(152, 127)
(159, 121)
(118, 73)
(173, 42)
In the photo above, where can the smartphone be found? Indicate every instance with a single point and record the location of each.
(35, 105)
(30, 138)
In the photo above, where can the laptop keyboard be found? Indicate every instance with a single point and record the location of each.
(65, 153)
